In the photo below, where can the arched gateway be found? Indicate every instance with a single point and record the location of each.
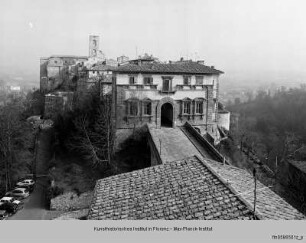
(166, 113)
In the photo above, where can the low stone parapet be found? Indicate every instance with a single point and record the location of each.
(70, 201)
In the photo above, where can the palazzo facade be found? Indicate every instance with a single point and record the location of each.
(165, 94)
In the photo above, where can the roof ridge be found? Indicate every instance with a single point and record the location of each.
(257, 213)
(261, 187)
(232, 166)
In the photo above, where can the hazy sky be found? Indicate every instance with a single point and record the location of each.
(257, 35)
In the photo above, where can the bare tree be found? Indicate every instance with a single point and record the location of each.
(94, 137)
(10, 129)
(83, 140)
(137, 96)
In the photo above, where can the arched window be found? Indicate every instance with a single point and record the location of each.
(133, 107)
(199, 106)
(147, 107)
(186, 109)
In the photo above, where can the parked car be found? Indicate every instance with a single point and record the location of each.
(10, 208)
(9, 200)
(19, 193)
(30, 188)
(3, 214)
(28, 182)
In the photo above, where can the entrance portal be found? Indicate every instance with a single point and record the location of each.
(167, 115)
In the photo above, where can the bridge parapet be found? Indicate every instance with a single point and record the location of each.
(204, 143)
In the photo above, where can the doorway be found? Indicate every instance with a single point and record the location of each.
(167, 115)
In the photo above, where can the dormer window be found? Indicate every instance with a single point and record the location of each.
(199, 80)
(187, 80)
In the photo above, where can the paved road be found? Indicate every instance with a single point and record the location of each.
(35, 207)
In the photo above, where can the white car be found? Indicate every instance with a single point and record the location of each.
(18, 192)
(27, 182)
(9, 200)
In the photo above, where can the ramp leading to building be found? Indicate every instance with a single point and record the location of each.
(173, 144)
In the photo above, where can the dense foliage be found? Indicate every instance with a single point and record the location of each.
(274, 127)
(16, 142)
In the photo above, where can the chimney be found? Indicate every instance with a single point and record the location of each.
(170, 62)
(182, 59)
(200, 62)
(213, 67)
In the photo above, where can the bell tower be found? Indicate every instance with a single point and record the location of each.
(93, 45)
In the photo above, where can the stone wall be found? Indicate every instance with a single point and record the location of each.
(155, 153)
(57, 102)
(297, 181)
(224, 119)
(73, 215)
(70, 201)
(55, 72)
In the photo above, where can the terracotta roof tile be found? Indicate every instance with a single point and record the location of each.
(184, 189)
(192, 188)
(269, 204)
(173, 68)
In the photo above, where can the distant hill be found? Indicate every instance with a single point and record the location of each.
(15, 76)
(232, 80)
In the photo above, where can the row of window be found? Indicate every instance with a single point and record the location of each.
(134, 107)
(148, 80)
(198, 106)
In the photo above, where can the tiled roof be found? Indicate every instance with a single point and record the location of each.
(69, 56)
(103, 67)
(269, 204)
(301, 165)
(183, 189)
(173, 68)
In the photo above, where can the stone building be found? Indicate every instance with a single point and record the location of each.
(166, 94)
(94, 42)
(56, 72)
(57, 102)
(61, 72)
